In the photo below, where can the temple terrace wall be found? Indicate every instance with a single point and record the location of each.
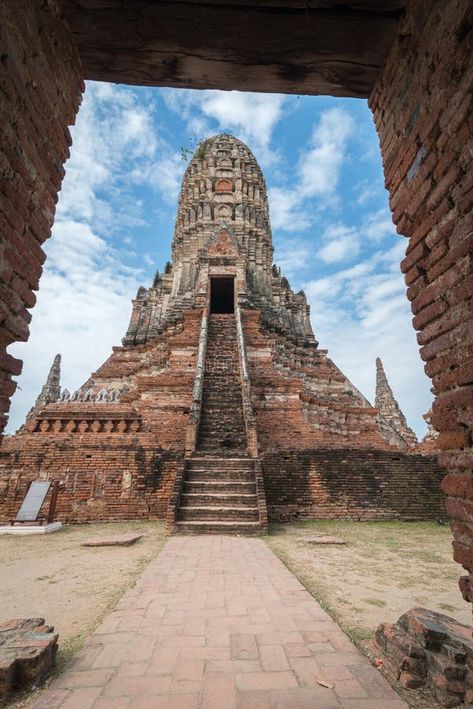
(117, 478)
(104, 479)
(351, 484)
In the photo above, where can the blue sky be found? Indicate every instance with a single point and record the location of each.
(332, 229)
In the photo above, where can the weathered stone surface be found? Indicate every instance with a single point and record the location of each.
(422, 107)
(424, 648)
(389, 410)
(41, 87)
(319, 46)
(27, 653)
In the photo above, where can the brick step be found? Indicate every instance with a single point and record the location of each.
(219, 486)
(223, 411)
(206, 452)
(237, 463)
(214, 436)
(215, 514)
(204, 476)
(213, 527)
(209, 449)
(218, 499)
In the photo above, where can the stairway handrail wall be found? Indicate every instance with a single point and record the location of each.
(248, 414)
(198, 387)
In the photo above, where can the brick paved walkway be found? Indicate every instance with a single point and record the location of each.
(218, 623)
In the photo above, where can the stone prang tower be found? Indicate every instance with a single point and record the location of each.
(219, 409)
(222, 230)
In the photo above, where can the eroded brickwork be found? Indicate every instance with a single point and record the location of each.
(40, 92)
(327, 483)
(423, 112)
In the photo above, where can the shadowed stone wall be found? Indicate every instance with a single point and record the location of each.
(40, 88)
(423, 107)
(331, 483)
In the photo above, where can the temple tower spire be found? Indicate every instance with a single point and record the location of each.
(222, 228)
(389, 408)
(51, 390)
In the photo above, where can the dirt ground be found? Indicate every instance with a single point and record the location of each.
(384, 569)
(70, 586)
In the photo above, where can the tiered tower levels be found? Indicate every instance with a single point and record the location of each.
(223, 190)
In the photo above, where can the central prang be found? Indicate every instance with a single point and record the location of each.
(222, 230)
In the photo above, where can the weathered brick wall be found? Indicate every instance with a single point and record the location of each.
(40, 93)
(106, 477)
(423, 108)
(341, 483)
(301, 399)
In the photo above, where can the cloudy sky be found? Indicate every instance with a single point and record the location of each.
(331, 224)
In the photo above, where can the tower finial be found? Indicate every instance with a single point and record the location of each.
(51, 390)
(388, 407)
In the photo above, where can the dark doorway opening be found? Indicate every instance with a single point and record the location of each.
(221, 295)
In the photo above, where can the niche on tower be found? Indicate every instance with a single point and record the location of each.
(222, 296)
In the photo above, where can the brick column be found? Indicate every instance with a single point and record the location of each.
(423, 111)
(40, 93)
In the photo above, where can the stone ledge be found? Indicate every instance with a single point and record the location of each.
(120, 540)
(25, 529)
(27, 653)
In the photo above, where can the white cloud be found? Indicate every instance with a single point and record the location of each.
(83, 308)
(293, 256)
(342, 243)
(317, 173)
(320, 164)
(251, 116)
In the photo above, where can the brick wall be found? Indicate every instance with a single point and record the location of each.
(423, 108)
(40, 93)
(106, 477)
(341, 483)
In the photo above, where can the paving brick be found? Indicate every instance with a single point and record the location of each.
(224, 668)
(243, 647)
(273, 658)
(253, 700)
(218, 691)
(265, 680)
(349, 689)
(87, 678)
(301, 698)
(82, 698)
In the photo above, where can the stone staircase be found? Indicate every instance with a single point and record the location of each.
(219, 496)
(222, 427)
(219, 489)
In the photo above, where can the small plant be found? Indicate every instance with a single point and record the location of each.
(197, 146)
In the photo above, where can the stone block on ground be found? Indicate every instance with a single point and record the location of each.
(429, 649)
(120, 540)
(28, 650)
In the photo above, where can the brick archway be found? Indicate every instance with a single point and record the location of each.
(419, 75)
